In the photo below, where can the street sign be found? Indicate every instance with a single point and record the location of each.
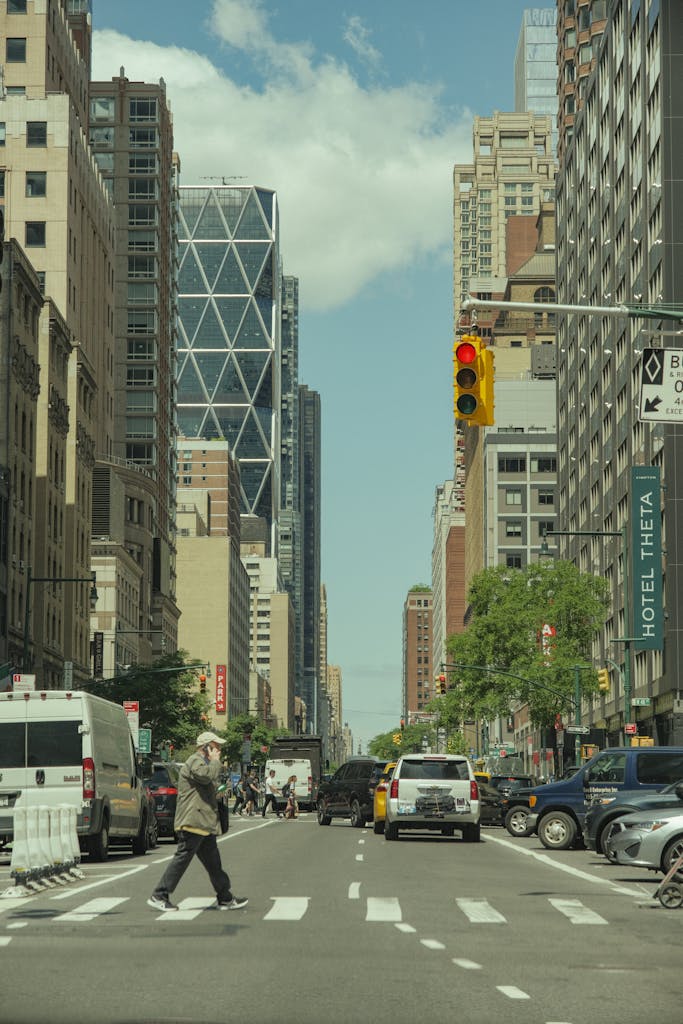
(630, 728)
(23, 683)
(145, 741)
(640, 702)
(68, 674)
(578, 730)
(132, 710)
(661, 385)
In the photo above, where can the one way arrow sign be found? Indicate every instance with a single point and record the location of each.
(661, 385)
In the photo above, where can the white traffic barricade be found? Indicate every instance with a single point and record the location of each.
(46, 865)
(20, 865)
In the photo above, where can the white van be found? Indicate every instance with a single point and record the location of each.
(57, 748)
(284, 768)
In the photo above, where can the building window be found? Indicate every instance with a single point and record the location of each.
(35, 233)
(513, 561)
(103, 137)
(143, 138)
(142, 108)
(544, 464)
(36, 183)
(511, 464)
(102, 108)
(546, 497)
(2, 184)
(15, 51)
(142, 163)
(2, 133)
(545, 526)
(16, 6)
(36, 133)
(513, 496)
(513, 528)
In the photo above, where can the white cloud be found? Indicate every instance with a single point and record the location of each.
(363, 174)
(357, 36)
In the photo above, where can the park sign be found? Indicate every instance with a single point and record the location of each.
(646, 556)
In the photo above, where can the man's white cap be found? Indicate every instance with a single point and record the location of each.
(208, 737)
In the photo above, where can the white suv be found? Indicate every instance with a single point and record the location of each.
(436, 792)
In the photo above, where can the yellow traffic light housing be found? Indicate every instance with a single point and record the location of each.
(441, 686)
(397, 737)
(603, 679)
(473, 381)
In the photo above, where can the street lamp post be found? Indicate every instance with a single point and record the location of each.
(31, 579)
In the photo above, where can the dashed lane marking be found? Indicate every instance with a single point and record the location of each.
(432, 944)
(512, 992)
(359, 856)
(467, 965)
(5, 940)
(403, 927)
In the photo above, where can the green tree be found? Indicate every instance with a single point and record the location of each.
(261, 736)
(383, 746)
(509, 609)
(170, 702)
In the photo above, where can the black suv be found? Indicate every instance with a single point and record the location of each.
(350, 792)
(162, 779)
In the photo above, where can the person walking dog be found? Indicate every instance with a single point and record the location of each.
(197, 825)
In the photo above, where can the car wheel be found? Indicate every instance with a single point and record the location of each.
(154, 834)
(141, 842)
(516, 821)
(471, 833)
(98, 845)
(557, 831)
(390, 831)
(357, 819)
(671, 854)
(323, 819)
(378, 827)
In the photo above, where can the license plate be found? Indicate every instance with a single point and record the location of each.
(4, 801)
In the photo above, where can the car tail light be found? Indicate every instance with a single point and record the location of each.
(381, 787)
(166, 791)
(393, 792)
(474, 790)
(310, 784)
(88, 778)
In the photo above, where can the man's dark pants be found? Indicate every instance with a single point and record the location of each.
(206, 849)
(270, 799)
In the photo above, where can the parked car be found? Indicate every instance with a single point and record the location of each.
(557, 809)
(490, 804)
(652, 839)
(152, 822)
(437, 792)
(379, 807)
(162, 779)
(604, 810)
(350, 792)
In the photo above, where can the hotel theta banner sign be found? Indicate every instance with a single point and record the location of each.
(646, 549)
(220, 688)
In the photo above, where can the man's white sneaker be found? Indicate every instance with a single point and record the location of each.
(236, 903)
(161, 903)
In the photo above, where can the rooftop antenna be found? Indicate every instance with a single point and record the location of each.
(223, 180)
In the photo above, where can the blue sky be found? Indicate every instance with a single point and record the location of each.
(355, 113)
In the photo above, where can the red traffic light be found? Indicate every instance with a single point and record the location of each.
(465, 352)
(442, 678)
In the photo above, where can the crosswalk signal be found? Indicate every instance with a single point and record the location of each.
(603, 679)
(473, 381)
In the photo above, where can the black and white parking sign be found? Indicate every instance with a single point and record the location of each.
(661, 385)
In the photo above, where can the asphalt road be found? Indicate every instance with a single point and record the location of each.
(343, 927)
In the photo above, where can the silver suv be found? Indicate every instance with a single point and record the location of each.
(436, 792)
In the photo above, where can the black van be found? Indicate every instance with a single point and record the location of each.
(557, 809)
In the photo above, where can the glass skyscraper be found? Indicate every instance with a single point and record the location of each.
(229, 317)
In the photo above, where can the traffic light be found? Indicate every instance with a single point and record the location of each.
(441, 686)
(603, 679)
(473, 381)
(202, 683)
(403, 723)
(397, 739)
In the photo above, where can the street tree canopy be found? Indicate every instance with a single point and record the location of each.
(537, 624)
(170, 702)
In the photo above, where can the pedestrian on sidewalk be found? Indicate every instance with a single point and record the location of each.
(196, 825)
(272, 792)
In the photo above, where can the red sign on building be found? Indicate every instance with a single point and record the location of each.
(221, 674)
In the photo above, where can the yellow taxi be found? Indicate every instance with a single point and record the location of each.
(380, 798)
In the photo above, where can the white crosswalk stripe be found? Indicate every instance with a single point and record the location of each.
(188, 909)
(383, 909)
(480, 911)
(577, 912)
(91, 909)
(287, 908)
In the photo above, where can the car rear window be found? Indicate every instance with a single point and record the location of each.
(159, 777)
(444, 771)
(511, 780)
